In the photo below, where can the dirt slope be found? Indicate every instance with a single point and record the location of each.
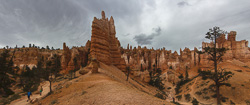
(203, 90)
(23, 99)
(102, 88)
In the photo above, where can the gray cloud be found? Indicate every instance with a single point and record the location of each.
(143, 39)
(183, 23)
(182, 3)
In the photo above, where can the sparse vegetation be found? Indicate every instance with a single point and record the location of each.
(238, 70)
(83, 92)
(179, 97)
(195, 102)
(206, 97)
(216, 53)
(224, 99)
(231, 102)
(198, 92)
(247, 102)
(53, 102)
(161, 96)
(6, 70)
(187, 97)
(13, 97)
(186, 74)
(246, 67)
(155, 79)
(233, 88)
(214, 96)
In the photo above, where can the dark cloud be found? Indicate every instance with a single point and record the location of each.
(143, 39)
(182, 3)
(52, 22)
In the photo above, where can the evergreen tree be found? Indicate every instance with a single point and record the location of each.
(56, 65)
(186, 77)
(47, 47)
(47, 73)
(155, 79)
(75, 64)
(218, 76)
(29, 81)
(6, 70)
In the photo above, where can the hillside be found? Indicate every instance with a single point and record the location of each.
(204, 90)
(102, 88)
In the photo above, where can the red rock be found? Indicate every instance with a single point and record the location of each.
(105, 47)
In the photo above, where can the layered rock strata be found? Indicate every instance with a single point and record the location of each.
(105, 47)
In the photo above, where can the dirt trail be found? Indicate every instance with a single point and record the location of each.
(23, 99)
(192, 93)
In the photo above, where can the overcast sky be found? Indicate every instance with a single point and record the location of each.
(172, 24)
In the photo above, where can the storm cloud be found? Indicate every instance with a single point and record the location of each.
(182, 23)
(143, 39)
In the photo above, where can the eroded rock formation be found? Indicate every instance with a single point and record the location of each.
(73, 58)
(105, 47)
(238, 50)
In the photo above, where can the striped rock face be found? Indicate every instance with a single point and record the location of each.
(105, 47)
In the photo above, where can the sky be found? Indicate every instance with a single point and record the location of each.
(172, 24)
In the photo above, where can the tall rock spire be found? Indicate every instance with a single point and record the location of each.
(105, 47)
(103, 15)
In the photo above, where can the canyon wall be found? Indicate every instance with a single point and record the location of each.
(143, 58)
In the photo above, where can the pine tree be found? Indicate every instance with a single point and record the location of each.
(186, 77)
(6, 70)
(218, 76)
(75, 64)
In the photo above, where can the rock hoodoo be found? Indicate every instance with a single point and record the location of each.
(105, 47)
(236, 49)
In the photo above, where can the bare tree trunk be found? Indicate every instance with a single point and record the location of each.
(216, 73)
(50, 86)
(128, 73)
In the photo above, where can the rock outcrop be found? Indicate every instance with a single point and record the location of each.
(141, 59)
(238, 50)
(73, 58)
(105, 47)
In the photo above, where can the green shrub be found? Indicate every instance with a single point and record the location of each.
(198, 93)
(224, 99)
(195, 102)
(179, 97)
(14, 97)
(5, 101)
(53, 102)
(161, 96)
(83, 92)
(247, 101)
(214, 96)
(231, 102)
(206, 97)
(187, 97)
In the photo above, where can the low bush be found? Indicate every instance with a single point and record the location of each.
(195, 102)
(187, 97)
(179, 97)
